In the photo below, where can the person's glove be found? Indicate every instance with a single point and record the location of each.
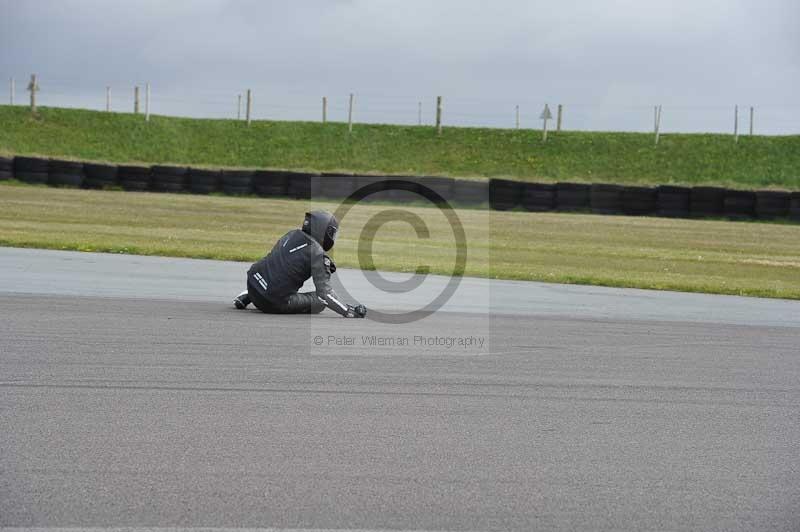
(329, 264)
(359, 311)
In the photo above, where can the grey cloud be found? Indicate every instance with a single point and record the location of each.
(607, 60)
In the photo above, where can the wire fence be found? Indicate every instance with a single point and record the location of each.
(377, 107)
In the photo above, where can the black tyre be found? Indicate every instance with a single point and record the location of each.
(270, 183)
(638, 201)
(168, 187)
(100, 172)
(35, 178)
(6, 175)
(133, 177)
(538, 197)
(673, 201)
(6, 164)
(572, 196)
(298, 185)
(202, 181)
(59, 166)
(31, 165)
(504, 194)
(99, 175)
(168, 178)
(739, 204)
(383, 193)
(135, 186)
(64, 173)
(175, 171)
(605, 199)
(794, 206)
(237, 179)
(334, 186)
(234, 190)
(65, 180)
(160, 184)
(772, 204)
(470, 192)
(706, 201)
(410, 192)
(443, 186)
(199, 188)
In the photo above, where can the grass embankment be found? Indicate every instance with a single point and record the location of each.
(690, 159)
(688, 255)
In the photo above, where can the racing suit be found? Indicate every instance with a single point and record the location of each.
(273, 282)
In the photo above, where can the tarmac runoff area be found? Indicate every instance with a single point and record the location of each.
(133, 395)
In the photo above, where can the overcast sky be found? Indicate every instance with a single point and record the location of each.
(607, 61)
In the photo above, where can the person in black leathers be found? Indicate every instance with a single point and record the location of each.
(273, 282)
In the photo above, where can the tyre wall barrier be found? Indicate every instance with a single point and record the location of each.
(270, 183)
(298, 185)
(467, 192)
(794, 206)
(6, 168)
(64, 173)
(31, 169)
(203, 181)
(403, 195)
(500, 194)
(638, 201)
(772, 204)
(572, 196)
(605, 199)
(237, 182)
(131, 177)
(99, 175)
(361, 181)
(504, 194)
(333, 185)
(706, 201)
(673, 201)
(739, 204)
(168, 178)
(537, 197)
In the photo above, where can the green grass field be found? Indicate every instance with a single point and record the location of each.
(755, 259)
(756, 162)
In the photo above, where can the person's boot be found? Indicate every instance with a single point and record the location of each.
(241, 301)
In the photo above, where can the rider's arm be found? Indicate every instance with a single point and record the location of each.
(321, 269)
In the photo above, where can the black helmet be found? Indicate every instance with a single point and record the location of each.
(322, 226)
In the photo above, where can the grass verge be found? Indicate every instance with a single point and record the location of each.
(628, 158)
(752, 259)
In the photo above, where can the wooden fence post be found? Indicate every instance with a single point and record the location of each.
(324, 109)
(658, 123)
(136, 99)
(350, 115)
(238, 107)
(751, 121)
(558, 118)
(108, 99)
(11, 90)
(34, 88)
(249, 107)
(438, 115)
(517, 111)
(735, 123)
(147, 102)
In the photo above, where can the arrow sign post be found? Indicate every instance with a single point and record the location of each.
(545, 116)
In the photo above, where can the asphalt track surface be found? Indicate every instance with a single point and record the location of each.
(133, 395)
